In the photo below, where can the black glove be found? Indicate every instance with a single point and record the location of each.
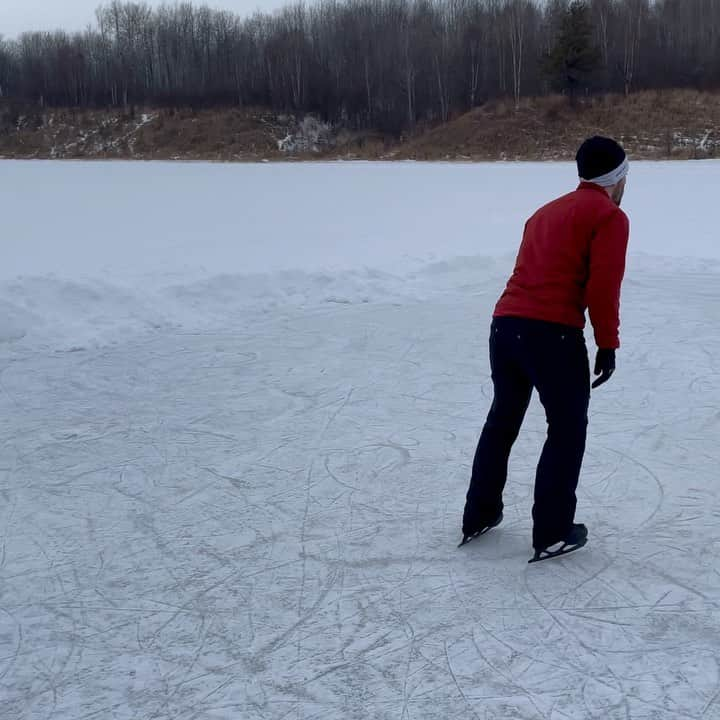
(604, 366)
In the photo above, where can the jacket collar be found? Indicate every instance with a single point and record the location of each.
(584, 185)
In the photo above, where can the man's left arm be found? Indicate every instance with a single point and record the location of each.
(608, 252)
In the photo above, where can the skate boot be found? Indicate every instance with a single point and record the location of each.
(576, 538)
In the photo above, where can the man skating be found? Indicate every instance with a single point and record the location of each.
(572, 258)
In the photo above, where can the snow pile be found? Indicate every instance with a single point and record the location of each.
(14, 322)
(69, 314)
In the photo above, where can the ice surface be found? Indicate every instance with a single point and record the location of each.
(238, 406)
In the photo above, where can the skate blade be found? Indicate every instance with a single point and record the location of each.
(564, 550)
(469, 538)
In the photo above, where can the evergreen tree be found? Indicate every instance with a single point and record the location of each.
(573, 57)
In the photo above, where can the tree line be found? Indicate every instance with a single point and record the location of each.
(381, 64)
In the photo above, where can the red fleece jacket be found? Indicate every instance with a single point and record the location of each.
(572, 258)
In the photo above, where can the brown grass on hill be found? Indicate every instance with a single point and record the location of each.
(231, 134)
(654, 125)
(209, 135)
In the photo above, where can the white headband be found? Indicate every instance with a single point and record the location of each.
(613, 177)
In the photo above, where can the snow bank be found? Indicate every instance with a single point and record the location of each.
(14, 322)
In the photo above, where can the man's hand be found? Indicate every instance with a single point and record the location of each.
(604, 366)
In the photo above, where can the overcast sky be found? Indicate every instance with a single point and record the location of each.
(17, 16)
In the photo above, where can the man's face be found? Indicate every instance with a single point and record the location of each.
(618, 192)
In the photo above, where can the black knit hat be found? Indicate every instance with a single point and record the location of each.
(598, 156)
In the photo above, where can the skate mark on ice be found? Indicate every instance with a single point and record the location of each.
(278, 641)
(457, 684)
(12, 659)
(326, 465)
(503, 675)
(237, 483)
(651, 474)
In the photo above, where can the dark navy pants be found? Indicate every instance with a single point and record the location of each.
(552, 359)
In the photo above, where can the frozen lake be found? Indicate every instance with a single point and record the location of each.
(238, 407)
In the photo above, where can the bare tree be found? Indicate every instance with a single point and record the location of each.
(634, 12)
(516, 12)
